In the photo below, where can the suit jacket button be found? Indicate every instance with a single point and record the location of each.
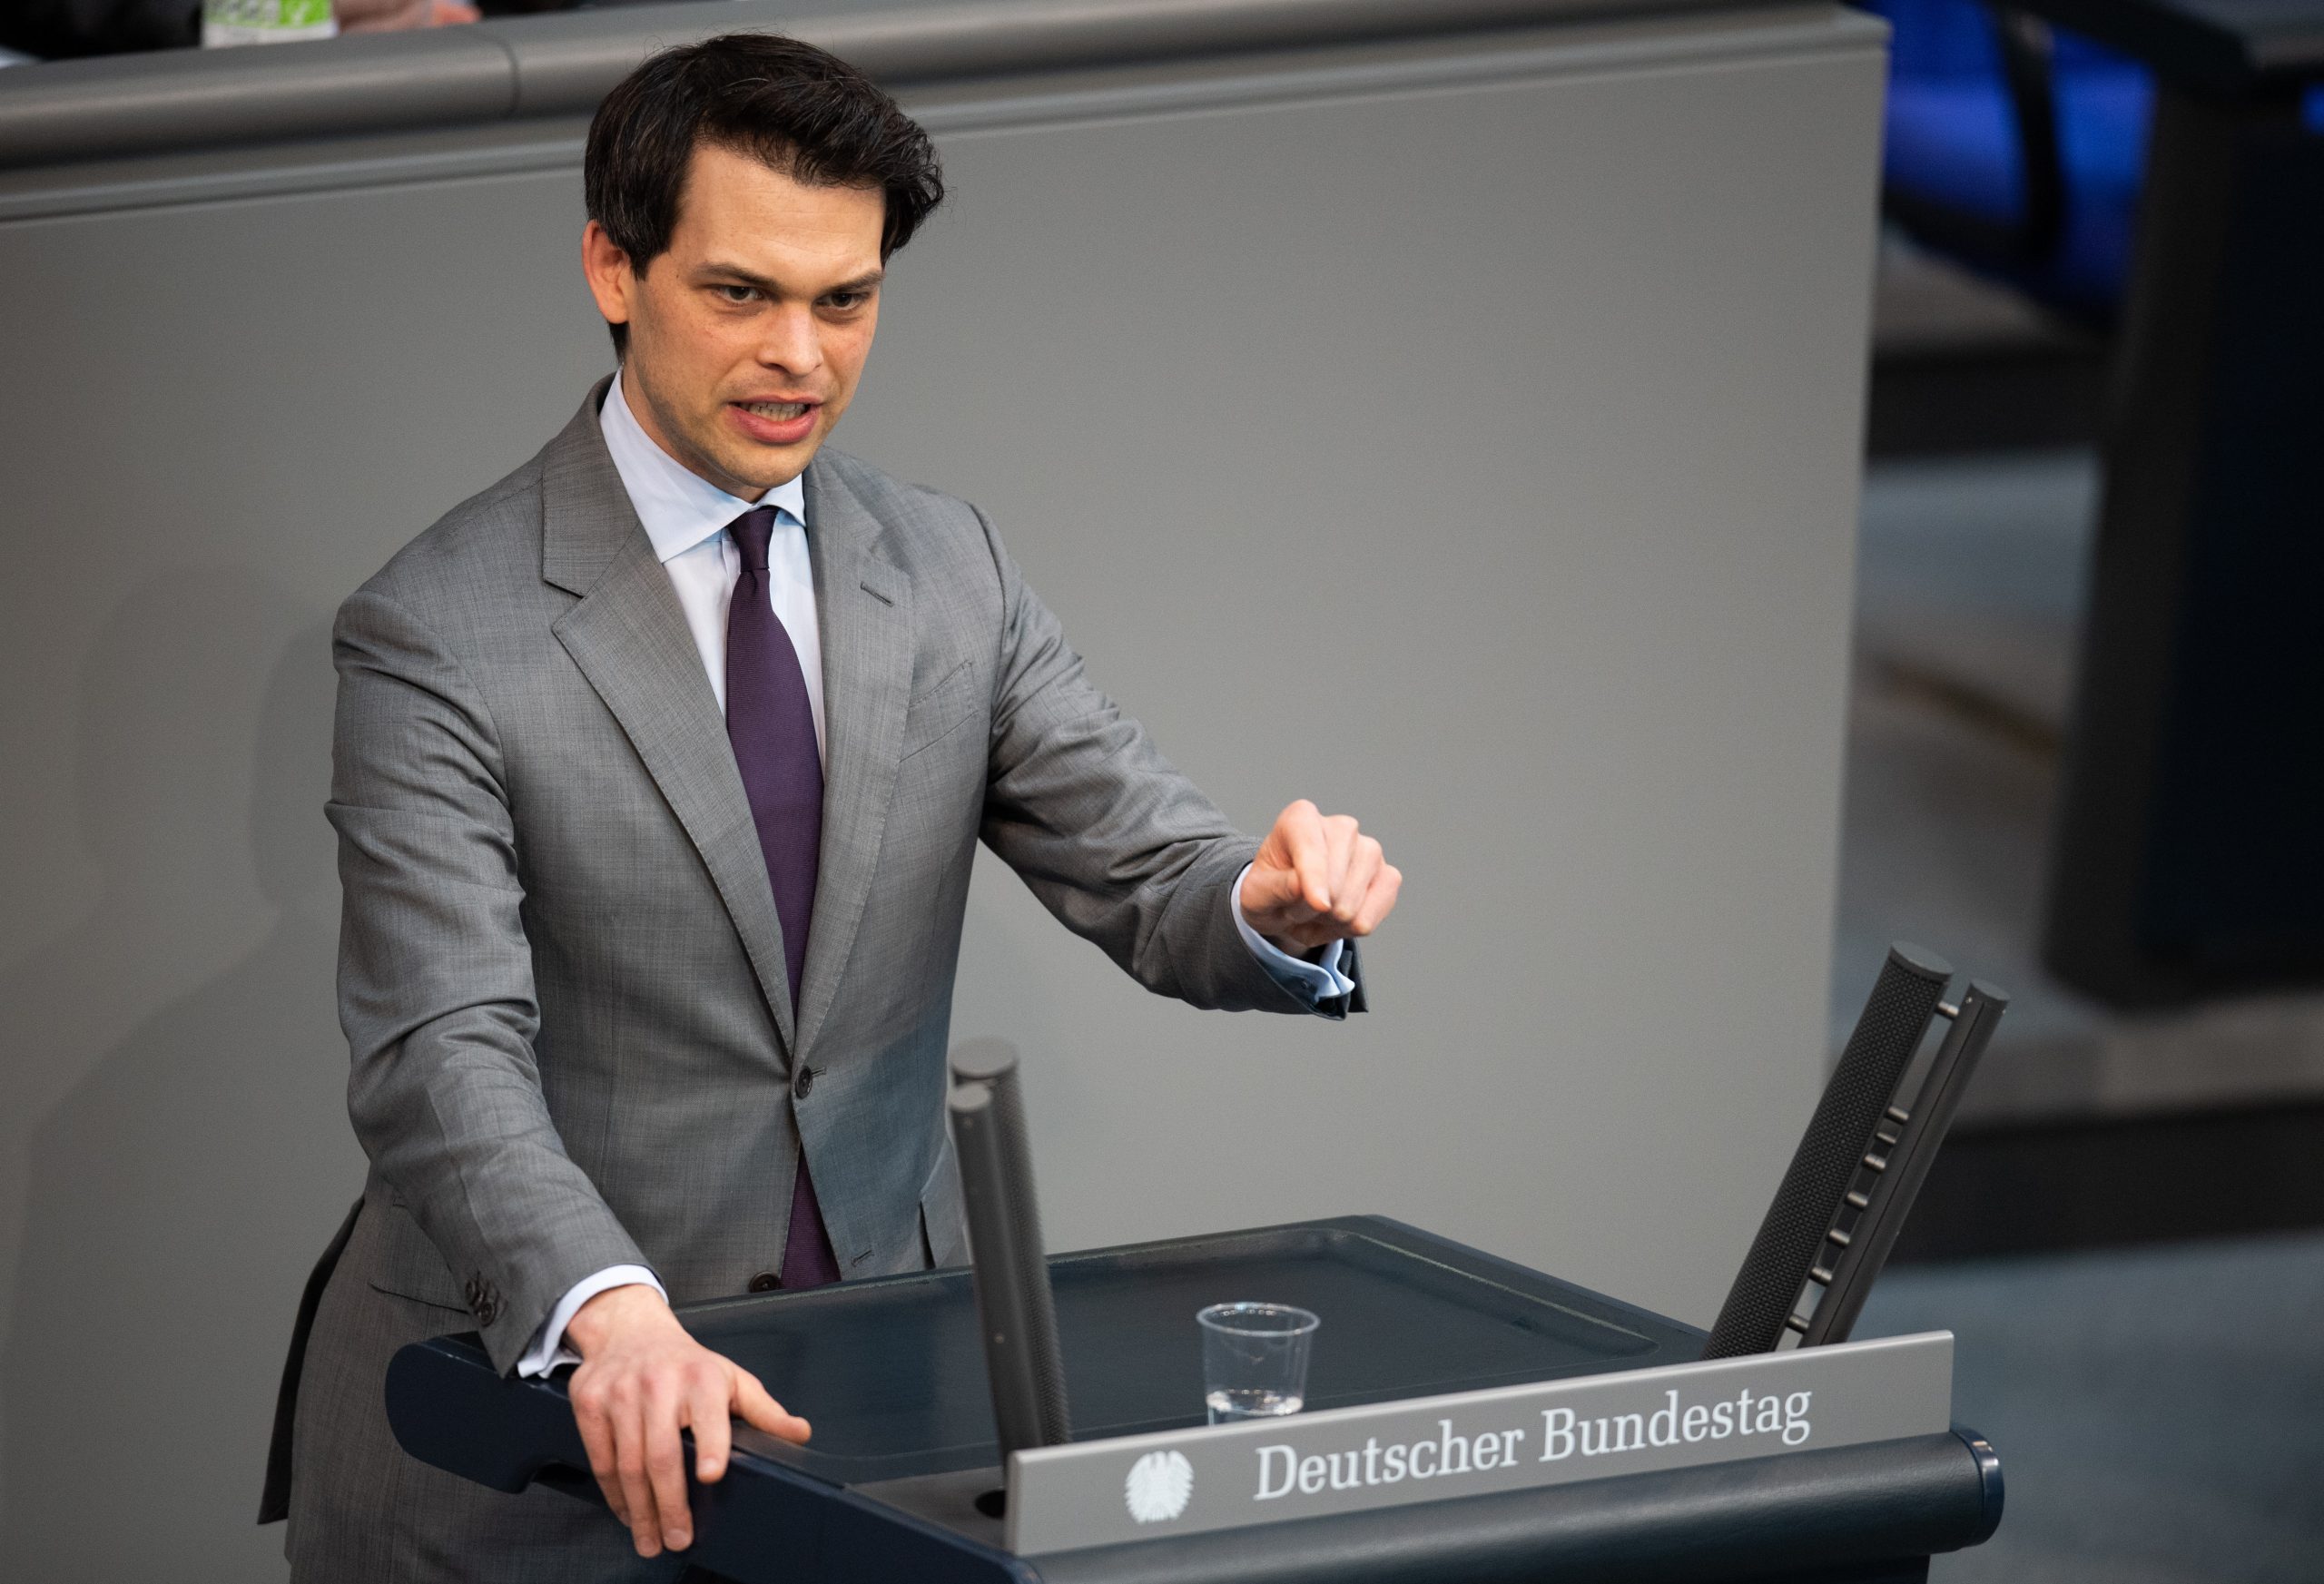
(802, 1083)
(765, 1282)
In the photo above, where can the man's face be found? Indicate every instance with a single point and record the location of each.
(747, 337)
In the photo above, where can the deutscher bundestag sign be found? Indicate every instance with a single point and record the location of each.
(1510, 1438)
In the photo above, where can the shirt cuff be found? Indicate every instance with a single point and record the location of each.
(1321, 980)
(548, 1350)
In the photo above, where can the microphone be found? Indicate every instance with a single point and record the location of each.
(1903, 1147)
(1015, 1307)
(1840, 1137)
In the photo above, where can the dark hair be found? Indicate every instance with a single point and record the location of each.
(803, 111)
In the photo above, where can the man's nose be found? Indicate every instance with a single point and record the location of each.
(792, 341)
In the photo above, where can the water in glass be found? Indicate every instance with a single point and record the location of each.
(1228, 1405)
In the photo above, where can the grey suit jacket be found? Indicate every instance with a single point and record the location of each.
(562, 975)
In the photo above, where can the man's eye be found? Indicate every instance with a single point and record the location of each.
(847, 300)
(736, 294)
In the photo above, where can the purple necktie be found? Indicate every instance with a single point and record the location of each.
(771, 727)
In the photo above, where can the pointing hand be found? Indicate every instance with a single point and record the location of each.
(1316, 879)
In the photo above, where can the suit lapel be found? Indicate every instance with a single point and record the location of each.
(864, 605)
(630, 640)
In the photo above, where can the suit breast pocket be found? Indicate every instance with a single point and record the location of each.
(940, 709)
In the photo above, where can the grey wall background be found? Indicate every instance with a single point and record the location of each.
(1462, 437)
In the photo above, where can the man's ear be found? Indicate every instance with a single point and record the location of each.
(607, 268)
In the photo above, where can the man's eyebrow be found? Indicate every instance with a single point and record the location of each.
(735, 272)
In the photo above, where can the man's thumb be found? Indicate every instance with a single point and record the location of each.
(1269, 884)
(765, 1413)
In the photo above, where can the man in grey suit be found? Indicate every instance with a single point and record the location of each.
(659, 769)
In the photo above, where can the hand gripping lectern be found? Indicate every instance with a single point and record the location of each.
(1041, 1418)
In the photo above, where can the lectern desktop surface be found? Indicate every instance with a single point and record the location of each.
(892, 1374)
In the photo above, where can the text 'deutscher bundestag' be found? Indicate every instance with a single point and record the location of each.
(1509, 1438)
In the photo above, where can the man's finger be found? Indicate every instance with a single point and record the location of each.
(665, 1467)
(763, 1412)
(1380, 897)
(1280, 889)
(714, 1430)
(597, 1439)
(1342, 838)
(1354, 888)
(1301, 827)
(629, 1460)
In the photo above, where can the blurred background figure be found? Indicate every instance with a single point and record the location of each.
(2017, 148)
(387, 15)
(60, 29)
(54, 29)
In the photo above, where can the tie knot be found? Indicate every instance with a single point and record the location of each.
(754, 531)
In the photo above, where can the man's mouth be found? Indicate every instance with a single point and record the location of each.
(776, 423)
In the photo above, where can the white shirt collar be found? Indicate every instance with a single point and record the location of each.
(678, 508)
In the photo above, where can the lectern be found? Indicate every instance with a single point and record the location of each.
(1438, 1343)
(1467, 1419)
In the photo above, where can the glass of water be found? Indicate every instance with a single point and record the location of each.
(1255, 1358)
